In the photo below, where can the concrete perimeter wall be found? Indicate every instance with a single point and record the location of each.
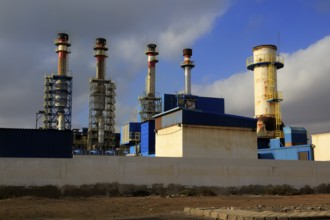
(147, 171)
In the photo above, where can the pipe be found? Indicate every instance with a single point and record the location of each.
(100, 54)
(60, 119)
(100, 131)
(187, 65)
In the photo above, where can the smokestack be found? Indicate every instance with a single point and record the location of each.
(187, 65)
(265, 63)
(62, 43)
(150, 105)
(151, 52)
(100, 88)
(100, 54)
(61, 85)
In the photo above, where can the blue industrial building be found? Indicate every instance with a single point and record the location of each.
(35, 143)
(292, 147)
(205, 110)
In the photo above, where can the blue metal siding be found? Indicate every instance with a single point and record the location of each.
(203, 118)
(127, 129)
(132, 150)
(147, 138)
(134, 127)
(171, 119)
(263, 143)
(35, 143)
(286, 153)
(205, 104)
(295, 136)
(275, 143)
(170, 101)
(212, 105)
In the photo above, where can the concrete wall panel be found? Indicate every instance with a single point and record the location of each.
(322, 146)
(219, 142)
(169, 142)
(148, 171)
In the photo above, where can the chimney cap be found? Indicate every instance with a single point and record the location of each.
(100, 40)
(63, 36)
(187, 52)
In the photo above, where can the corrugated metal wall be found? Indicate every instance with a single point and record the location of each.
(169, 119)
(35, 143)
(147, 138)
(205, 104)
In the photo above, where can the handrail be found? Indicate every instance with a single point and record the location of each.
(262, 58)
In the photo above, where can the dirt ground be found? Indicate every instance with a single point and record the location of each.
(128, 207)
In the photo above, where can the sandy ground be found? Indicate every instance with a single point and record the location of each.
(152, 207)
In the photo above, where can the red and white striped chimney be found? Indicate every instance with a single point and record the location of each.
(151, 52)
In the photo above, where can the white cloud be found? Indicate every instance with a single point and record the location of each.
(183, 33)
(304, 80)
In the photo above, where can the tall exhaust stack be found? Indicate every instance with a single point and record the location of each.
(265, 63)
(151, 52)
(102, 101)
(186, 99)
(187, 65)
(150, 105)
(58, 89)
(61, 87)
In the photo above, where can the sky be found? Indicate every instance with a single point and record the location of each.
(221, 33)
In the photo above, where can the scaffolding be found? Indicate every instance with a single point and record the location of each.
(150, 106)
(106, 114)
(51, 94)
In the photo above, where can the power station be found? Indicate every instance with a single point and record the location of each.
(177, 125)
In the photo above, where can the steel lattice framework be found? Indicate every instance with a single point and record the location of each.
(108, 114)
(50, 108)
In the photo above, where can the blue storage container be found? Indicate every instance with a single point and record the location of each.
(35, 143)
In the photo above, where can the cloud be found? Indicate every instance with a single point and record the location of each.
(304, 81)
(28, 30)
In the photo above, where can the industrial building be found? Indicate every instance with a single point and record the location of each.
(191, 126)
(35, 143)
(321, 144)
